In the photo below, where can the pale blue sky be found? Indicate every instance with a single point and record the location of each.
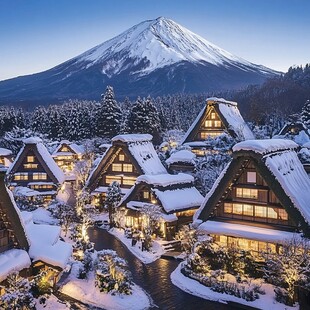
(36, 35)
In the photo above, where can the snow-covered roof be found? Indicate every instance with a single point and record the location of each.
(165, 179)
(221, 100)
(245, 231)
(146, 157)
(133, 138)
(137, 205)
(179, 199)
(235, 121)
(183, 156)
(290, 173)
(5, 152)
(57, 172)
(45, 244)
(265, 146)
(25, 191)
(32, 140)
(13, 260)
(104, 189)
(77, 149)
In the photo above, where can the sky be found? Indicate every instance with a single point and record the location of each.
(36, 35)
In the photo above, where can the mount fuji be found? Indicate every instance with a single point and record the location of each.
(155, 57)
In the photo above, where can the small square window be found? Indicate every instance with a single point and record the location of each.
(30, 159)
(121, 157)
(213, 115)
(251, 177)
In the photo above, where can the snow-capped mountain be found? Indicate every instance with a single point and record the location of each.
(154, 57)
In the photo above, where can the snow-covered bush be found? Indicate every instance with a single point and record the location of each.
(86, 265)
(17, 293)
(188, 237)
(288, 268)
(26, 203)
(111, 275)
(112, 199)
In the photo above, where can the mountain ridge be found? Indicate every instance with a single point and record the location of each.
(154, 57)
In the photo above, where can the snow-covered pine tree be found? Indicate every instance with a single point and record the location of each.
(112, 199)
(144, 118)
(305, 113)
(39, 120)
(109, 115)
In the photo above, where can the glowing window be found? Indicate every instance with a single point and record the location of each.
(251, 177)
(129, 181)
(247, 193)
(39, 176)
(282, 214)
(272, 214)
(30, 166)
(110, 179)
(208, 123)
(217, 124)
(146, 195)
(64, 149)
(30, 159)
(213, 115)
(121, 157)
(248, 210)
(228, 208)
(127, 167)
(260, 211)
(22, 176)
(237, 208)
(116, 167)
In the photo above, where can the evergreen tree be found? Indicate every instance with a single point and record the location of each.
(112, 199)
(109, 115)
(39, 120)
(144, 118)
(305, 114)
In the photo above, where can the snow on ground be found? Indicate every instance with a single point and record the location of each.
(145, 256)
(86, 292)
(43, 216)
(193, 287)
(52, 303)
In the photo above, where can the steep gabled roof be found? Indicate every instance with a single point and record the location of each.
(174, 192)
(138, 147)
(44, 157)
(278, 164)
(300, 125)
(73, 147)
(12, 214)
(230, 116)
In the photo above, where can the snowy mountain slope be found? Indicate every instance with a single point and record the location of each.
(154, 57)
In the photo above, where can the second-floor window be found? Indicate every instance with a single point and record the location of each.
(246, 193)
(22, 176)
(39, 176)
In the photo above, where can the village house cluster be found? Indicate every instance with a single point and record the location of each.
(259, 200)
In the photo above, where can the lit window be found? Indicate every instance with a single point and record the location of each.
(121, 157)
(208, 123)
(223, 240)
(217, 124)
(248, 210)
(282, 214)
(207, 134)
(30, 166)
(199, 152)
(129, 181)
(237, 208)
(213, 115)
(39, 176)
(127, 167)
(260, 211)
(110, 179)
(146, 195)
(272, 214)
(251, 177)
(64, 149)
(22, 176)
(227, 208)
(30, 159)
(116, 167)
(247, 193)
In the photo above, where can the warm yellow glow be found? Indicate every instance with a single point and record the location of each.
(21, 176)
(121, 157)
(127, 168)
(213, 115)
(30, 159)
(247, 193)
(129, 180)
(30, 166)
(117, 167)
(39, 176)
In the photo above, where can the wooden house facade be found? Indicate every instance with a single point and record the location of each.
(175, 195)
(27, 247)
(6, 157)
(218, 116)
(67, 154)
(129, 157)
(260, 199)
(35, 169)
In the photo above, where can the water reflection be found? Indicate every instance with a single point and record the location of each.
(154, 278)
